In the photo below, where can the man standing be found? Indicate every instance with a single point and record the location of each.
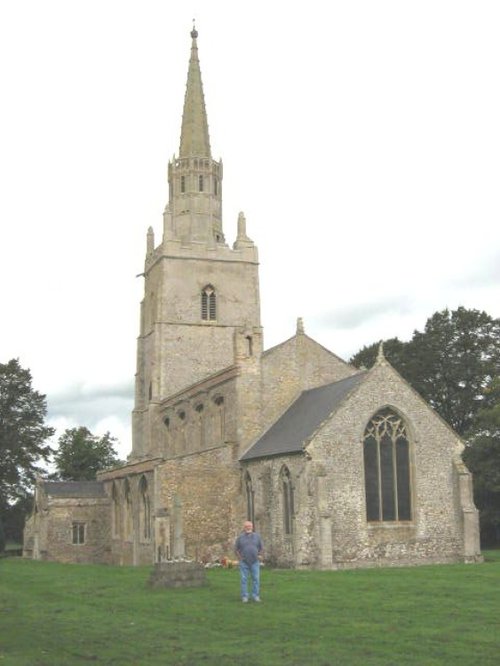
(249, 549)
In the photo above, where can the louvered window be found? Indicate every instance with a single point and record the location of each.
(208, 304)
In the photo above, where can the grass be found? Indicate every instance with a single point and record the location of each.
(59, 615)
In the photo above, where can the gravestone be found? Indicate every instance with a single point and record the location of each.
(178, 573)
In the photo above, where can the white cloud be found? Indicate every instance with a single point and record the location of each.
(361, 139)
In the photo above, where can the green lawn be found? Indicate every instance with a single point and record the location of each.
(53, 614)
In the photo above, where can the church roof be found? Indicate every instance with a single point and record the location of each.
(74, 488)
(289, 433)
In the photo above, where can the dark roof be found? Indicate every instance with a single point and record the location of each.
(74, 488)
(302, 418)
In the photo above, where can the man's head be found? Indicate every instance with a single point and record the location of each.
(248, 526)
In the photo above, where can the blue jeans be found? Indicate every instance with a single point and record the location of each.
(254, 571)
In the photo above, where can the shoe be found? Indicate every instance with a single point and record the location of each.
(256, 599)
(245, 600)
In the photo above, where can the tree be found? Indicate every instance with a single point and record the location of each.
(23, 432)
(449, 364)
(2, 537)
(81, 454)
(482, 457)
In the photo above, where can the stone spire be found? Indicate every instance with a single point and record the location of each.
(194, 213)
(195, 141)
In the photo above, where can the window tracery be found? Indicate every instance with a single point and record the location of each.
(386, 450)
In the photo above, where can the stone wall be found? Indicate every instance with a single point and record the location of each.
(298, 364)
(330, 528)
(201, 494)
(49, 534)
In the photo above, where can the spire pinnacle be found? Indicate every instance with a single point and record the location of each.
(195, 141)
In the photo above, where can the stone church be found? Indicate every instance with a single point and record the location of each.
(337, 467)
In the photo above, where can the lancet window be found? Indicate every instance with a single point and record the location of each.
(387, 468)
(145, 515)
(287, 500)
(127, 517)
(116, 510)
(249, 492)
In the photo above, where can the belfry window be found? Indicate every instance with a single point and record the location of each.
(208, 304)
(387, 468)
(183, 184)
(287, 497)
(200, 183)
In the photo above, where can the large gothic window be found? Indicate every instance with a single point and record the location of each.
(387, 468)
(249, 496)
(287, 499)
(208, 304)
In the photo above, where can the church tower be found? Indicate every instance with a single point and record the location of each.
(201, 297)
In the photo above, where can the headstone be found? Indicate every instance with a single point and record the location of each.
(178, 573)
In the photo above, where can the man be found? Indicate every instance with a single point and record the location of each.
(249, 549)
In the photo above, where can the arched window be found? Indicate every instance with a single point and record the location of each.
(387, 468)
(127, 513)
(249, 497)
(287, 499)
(208, 304)
(183, 184)
(145, 516)
(200, 183)
(115, 496)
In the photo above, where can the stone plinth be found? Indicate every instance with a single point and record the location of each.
(178, 574)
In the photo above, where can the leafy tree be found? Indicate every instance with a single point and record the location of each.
(22, 432)
(15, 516)
(482, 457)
(2, 537)
(394, 351)
(449, 364)
(81, 454)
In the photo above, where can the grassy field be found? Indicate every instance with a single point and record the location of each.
(58, 615)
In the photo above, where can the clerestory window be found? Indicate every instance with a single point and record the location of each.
(387, 468)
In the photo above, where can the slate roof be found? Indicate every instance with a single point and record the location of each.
(302, 418)
(74, 488)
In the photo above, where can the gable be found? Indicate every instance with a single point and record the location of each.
(302, 418)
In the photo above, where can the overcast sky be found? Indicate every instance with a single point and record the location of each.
(360, 138)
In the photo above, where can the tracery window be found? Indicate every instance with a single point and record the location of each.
(287, 499)
(145, 516)
(249, 497)
(208, 304)
(387, 468)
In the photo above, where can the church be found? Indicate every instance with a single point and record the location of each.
(337, 467)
